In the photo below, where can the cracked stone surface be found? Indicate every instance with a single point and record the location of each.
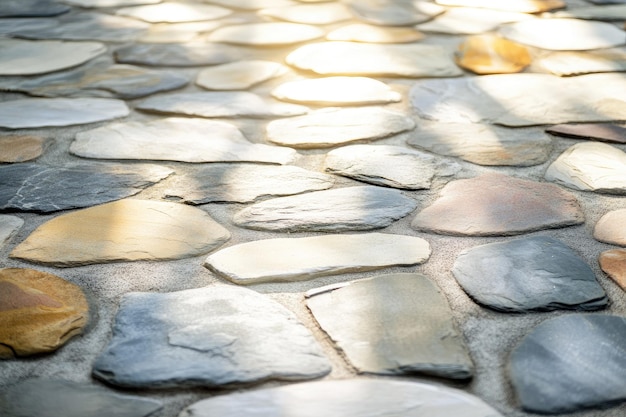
(613, 263)
(603, 132)
(611, 228)
(9, 225)
(21, 148)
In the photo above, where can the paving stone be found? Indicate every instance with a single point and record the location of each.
(108, 3)
(312, 14)
(266, 34)
(521, 99)
(244, 183)
(44, 188)
(393, 325)
(611, 12)
(607, 1)
(390, 166)
(125, 230)
(42, 112)
(9, 225)
(212, 336)
(39, 312)
(337, 91)
(590, 166)
(12, 24)
(489, 54)
(352, 58)
(176, 139)
(362, 32)
(183, 32)
(299, 259)
(529, 274)
(495, 204)
(521, 6)
(602, 132)
(170, 12)
(20, 148)
(611, 228)
(570, 363)
(252, 4)
(483, 144)
(239, 75)
(22, 57)
(350, 208)
(394, 13)
(577, 63)
(470, 21)
(331, 127)
(55, 397)
(31, 8)
(177, 55)
(613, 262)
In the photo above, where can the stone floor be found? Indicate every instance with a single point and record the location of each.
(307, 208)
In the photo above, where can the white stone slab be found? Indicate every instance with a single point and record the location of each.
(239, 75)
(470, 21)
(266, 34)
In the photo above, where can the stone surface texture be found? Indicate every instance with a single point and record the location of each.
(394, 13)
(611, 228)
(521, 6)
(9, 225)
(32, 8)
(362, 32)
(601, 132)
(171, 12)
(312, 14)
(264, 34)
(488, 54)
(20, 148)
(613, 262)
(239, 75)
(470, 21)
(570, 63)
(177, 55)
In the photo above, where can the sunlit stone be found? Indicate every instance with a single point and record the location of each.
(611, 228)
(9, 225)
(576, 63)
(239, 75)
(182, 32)
(522, 6)
(178, 55)
(252, 4)
(266, 34)
(175, 12)
(312, 14)
(20, 148)
(468, 21)
(488, 54)
(109, 3)
(394, 13)
(361, 32)
(611, 12)
(602, 132)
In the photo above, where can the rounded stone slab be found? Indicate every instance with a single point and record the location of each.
(346, 398)
(177, 55)
(351, 208)
(528, 274)
(488, 54)
(39, 312)
(9, 225)
(571, 363)
(602, 132)
(48, 112)
(352, 58)
(244, 183)
(520, 6)
(590, 166)
(299, 259)
(125, 230)
(31, 8)
(88, 4)
(470, 21)
(266, 34)
(10, 25)
(52, 398)
(182, 32)
(23, 57)
(252, 4)
(393, 325)
(361, 32)
(312, 14)
(169, 12)
(20, 148)
(611, 228)
(337, 91)
(613, 12)
(212, 336)
(571, 63)
(498, 205)
(239, 75)
(613, 263)
(331, 127)
(176, 139)
(394, 13)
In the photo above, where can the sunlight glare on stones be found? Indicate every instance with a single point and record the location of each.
(266, 34)
(312, 14)
(175, 12)
(361, 32)
(489, 54)
(239, 75)
(463, 20)
(522, 6)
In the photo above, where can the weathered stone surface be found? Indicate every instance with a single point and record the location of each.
(312, 14)
(210, 336)
(391, 166)
(266, 34)
(299, 259)
(350, 208)
(570, 363)
(252, 4)
(495, 204)
(489, 54)
(394, 13)
(611, 228)
(602, 132)
(31, 8)
(483, 144)
(170, 12)
(520, 6)
(362, 32)
(521, 99)
(9, 225)
(183, 32)
(612, 12)
(244, 183)
(575, 63)
(239, 75)
(177, 55)
(470, 21)
(330, 127)
(44, 188)
(176, 139)
(613, 262)
(529, 274)
(393, 325)
(590, 166)
(352, 58)
(20, 148)
(48, 398)
(13, 24)
(42, 112)
(125, 230)
(108, 3)
(39, 312)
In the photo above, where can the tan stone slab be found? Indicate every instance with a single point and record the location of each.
(361, 32)
(170, 12)
(266, 34)
(611, 228)
(239, 75)
(613, 262)
(489, 54)
(20, 148)
(522, 6)
(311, 14)
(470, 21)
(577, 63)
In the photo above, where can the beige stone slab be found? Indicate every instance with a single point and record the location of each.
(9, 225)
(611, 228)
(521, 6)
(170, 12)
(607, 12)
(577, 63)
(266, 34)
(20, 148)
(239, 75)
(311, 14)
(470, 21)
(362, 32)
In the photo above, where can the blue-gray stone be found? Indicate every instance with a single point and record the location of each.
(178, 55)
(31, 8)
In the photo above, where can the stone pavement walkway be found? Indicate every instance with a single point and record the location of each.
(307, 208)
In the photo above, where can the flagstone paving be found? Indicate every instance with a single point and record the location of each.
(205, 202)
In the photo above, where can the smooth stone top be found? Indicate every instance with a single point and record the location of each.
(576, 63)
(614, 12)
(239, 75)
(602, 132)
(470, 21)
(489, 54)
(181, 33)
(521, 6)
(611, 228)
(266, 34)
(88, 4)
(20, 148)
(169, 12)
(312, 14)
(361, 32)
(9, 225)
(31, 8)
(613, 263)
(177, 55)
(394, 13)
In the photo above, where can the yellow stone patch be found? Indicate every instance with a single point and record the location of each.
(488, 54)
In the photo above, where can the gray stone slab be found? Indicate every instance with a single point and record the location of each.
(9, 225)
(239, 75)
(530, 274)
(470, 21)
(571, 363)
(298, 259)
(11, 24)
(608, 13)
(178, 55)
(351, 208)
(611, 228)
(211, 336)
(32, 8)
(603, 132)
(570, 63)
(43, 188)
(394, 13)
(172, 12)
(55, 397)
(393, 325)
(266, 34)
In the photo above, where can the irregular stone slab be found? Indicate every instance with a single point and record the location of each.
(39, 312)
(592, 131)
(177, 55)
(564, 34)
(228, 183)
(71, 399)
(9, 225)
(520, 6)
(125, 230)
(169, 12)
(44, 189)
(182, 32)
(88, 4)
(10, 25)
(22, 57)
(266, 34)
(613, 262)
(529, 274)
(332, 127)
(614, 12)
(312, 14)
(219, 104)
(31, 8)
(212, 336)
(351, 58)
(470, 21)
(43, 112)
(611, 228)
(252, 4)
(495, 204)
(570, 363)
(391, 166)
(350, 208)
(393, 325)
(239, 75)
(590, 166)
(521, 99)
(20, 148)
(176, 139)
(337, 91)
(483, 144)
(361, 32)
(489, 54)
(576, 63)
(299, 259)
(394, 13)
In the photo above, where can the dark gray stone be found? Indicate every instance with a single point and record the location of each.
(31, 8)
(178, 55)
(571, 363)
(530, 274)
